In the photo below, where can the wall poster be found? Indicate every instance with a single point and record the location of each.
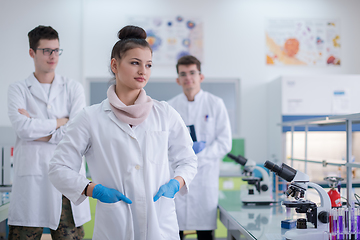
(172, 37)
(312, 42)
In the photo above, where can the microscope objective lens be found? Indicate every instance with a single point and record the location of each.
(302, 195)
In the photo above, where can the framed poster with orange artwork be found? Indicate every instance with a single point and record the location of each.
(306, 42)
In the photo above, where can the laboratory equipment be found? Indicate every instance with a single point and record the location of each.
(6, 171)
(357, 213)
(257, 191)
(334, 195)
(317, 215)
(344, 223)
(288, 223)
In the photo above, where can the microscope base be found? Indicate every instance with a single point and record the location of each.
(257, 200)
(258, 203)
(308, 234)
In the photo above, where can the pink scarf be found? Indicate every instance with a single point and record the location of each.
(133, 114)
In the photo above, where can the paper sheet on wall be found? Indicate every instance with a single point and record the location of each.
(172, 37)
(311, 42)
(341, 102)
(293, 105)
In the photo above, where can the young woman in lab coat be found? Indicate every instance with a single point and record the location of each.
(129, 141)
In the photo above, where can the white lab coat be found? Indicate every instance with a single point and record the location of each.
(197, 210)
(135, 161)
(35, 202)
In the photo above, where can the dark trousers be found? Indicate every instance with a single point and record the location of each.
(201, 235)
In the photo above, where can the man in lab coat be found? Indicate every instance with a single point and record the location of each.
(39, 108)
(208, 122)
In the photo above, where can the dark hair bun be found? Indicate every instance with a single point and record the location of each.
(131, 32)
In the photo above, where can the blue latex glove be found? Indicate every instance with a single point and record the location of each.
(108, 195)
(198, 146)
(168, 190)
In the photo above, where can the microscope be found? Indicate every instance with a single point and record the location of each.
(257, 191)
(318, 216)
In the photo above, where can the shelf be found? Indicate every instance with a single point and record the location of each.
(346, 120)
(322, 121)
(323, 162)
(356, 165)
(5, 188)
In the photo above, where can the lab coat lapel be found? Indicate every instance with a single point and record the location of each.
(124, 126)
(57, 87)
(35, 88)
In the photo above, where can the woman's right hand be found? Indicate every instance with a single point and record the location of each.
(108, 195)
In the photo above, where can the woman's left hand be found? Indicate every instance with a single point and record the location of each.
(24, 112)
(168, 190)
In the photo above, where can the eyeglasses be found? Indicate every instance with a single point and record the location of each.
(49, 51)
(191, 73)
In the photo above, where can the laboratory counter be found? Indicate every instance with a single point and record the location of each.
(4, 210)
(5, 192)
(4, 206)
(252, 221)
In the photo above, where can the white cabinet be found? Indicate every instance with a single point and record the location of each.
(292, 98)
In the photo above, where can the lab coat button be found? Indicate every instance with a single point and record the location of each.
(137, 167)
(49, 106)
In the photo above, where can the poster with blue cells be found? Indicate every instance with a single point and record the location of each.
(172, 37)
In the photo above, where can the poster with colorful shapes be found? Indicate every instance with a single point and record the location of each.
(307, 42)
(172, 37)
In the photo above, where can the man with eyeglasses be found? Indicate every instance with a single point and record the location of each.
(207, 119)
(39, 108)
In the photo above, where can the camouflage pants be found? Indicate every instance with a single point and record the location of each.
(65, 231)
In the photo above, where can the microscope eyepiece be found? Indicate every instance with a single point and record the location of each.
(239, 159)
(272, 167)
(285, 172)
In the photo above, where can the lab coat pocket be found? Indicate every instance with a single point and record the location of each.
(209, 120)
(207, 130)
(168, 224)
(113, 221)
(30, 161)
(157, 146)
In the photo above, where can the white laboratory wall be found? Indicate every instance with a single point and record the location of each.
(17, 18)
(234, 44)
